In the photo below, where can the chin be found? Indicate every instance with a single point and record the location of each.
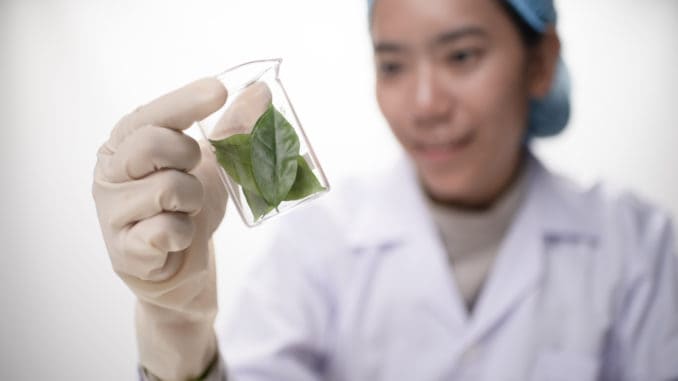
(451, 184)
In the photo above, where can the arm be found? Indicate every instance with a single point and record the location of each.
(280, 323)
(643, 343)
(159, 199)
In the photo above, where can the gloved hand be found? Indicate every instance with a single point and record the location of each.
(159, 199)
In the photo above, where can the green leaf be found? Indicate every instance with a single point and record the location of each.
(266, 164)
(258, 205)
(305, 183)
(234, 155)
(275, 147)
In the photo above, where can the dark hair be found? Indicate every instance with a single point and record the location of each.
(529, 35)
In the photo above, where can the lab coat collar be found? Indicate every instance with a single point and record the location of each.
(396, 214)
(394, 207)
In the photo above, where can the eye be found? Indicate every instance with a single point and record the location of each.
(390, 68)
(463, 56)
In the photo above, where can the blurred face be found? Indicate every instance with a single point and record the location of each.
(453, 84)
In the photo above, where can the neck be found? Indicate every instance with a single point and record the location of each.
(482, 201)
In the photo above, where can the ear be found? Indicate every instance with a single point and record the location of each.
(543, 63)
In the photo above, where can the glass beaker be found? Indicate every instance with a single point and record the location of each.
(265, 159)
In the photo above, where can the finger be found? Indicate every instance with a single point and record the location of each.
(216, 196)
(177, 109)
(149, 149)
(152, 247)
(163, 191)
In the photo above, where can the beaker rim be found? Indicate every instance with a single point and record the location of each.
(277, 62)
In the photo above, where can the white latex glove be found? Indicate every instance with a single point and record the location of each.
(159, 199)
(244, 111)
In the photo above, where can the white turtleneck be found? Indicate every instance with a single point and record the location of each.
(472, 238)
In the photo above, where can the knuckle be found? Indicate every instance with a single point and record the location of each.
(168, 147)
(180, 192)
(147, 245)
(167, 269)
(124, 126)
(127, 265)
(193, 194)
(194, 186)
(130, 116)
(132, 258)
(175, 231)
(144, 143)
(170, 190)
(173, 181)
(189, 151)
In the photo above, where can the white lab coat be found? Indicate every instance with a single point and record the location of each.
(358, 287)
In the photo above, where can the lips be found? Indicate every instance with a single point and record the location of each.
(443, 150)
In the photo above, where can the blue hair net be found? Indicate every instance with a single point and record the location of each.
(548, 115)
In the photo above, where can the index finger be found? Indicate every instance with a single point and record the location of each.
(176, 110)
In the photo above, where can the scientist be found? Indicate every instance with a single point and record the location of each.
(468, 261)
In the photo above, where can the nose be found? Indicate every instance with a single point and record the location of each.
(430, 100)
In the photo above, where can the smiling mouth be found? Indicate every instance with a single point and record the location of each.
(441, 151)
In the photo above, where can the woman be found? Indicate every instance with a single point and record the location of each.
(468, 261)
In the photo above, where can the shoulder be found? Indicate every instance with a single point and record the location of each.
(635, 228)
(622, 222)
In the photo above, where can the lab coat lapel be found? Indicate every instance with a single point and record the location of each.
(400, 221)
(519, 266)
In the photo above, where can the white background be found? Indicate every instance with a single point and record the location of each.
(70, 69)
